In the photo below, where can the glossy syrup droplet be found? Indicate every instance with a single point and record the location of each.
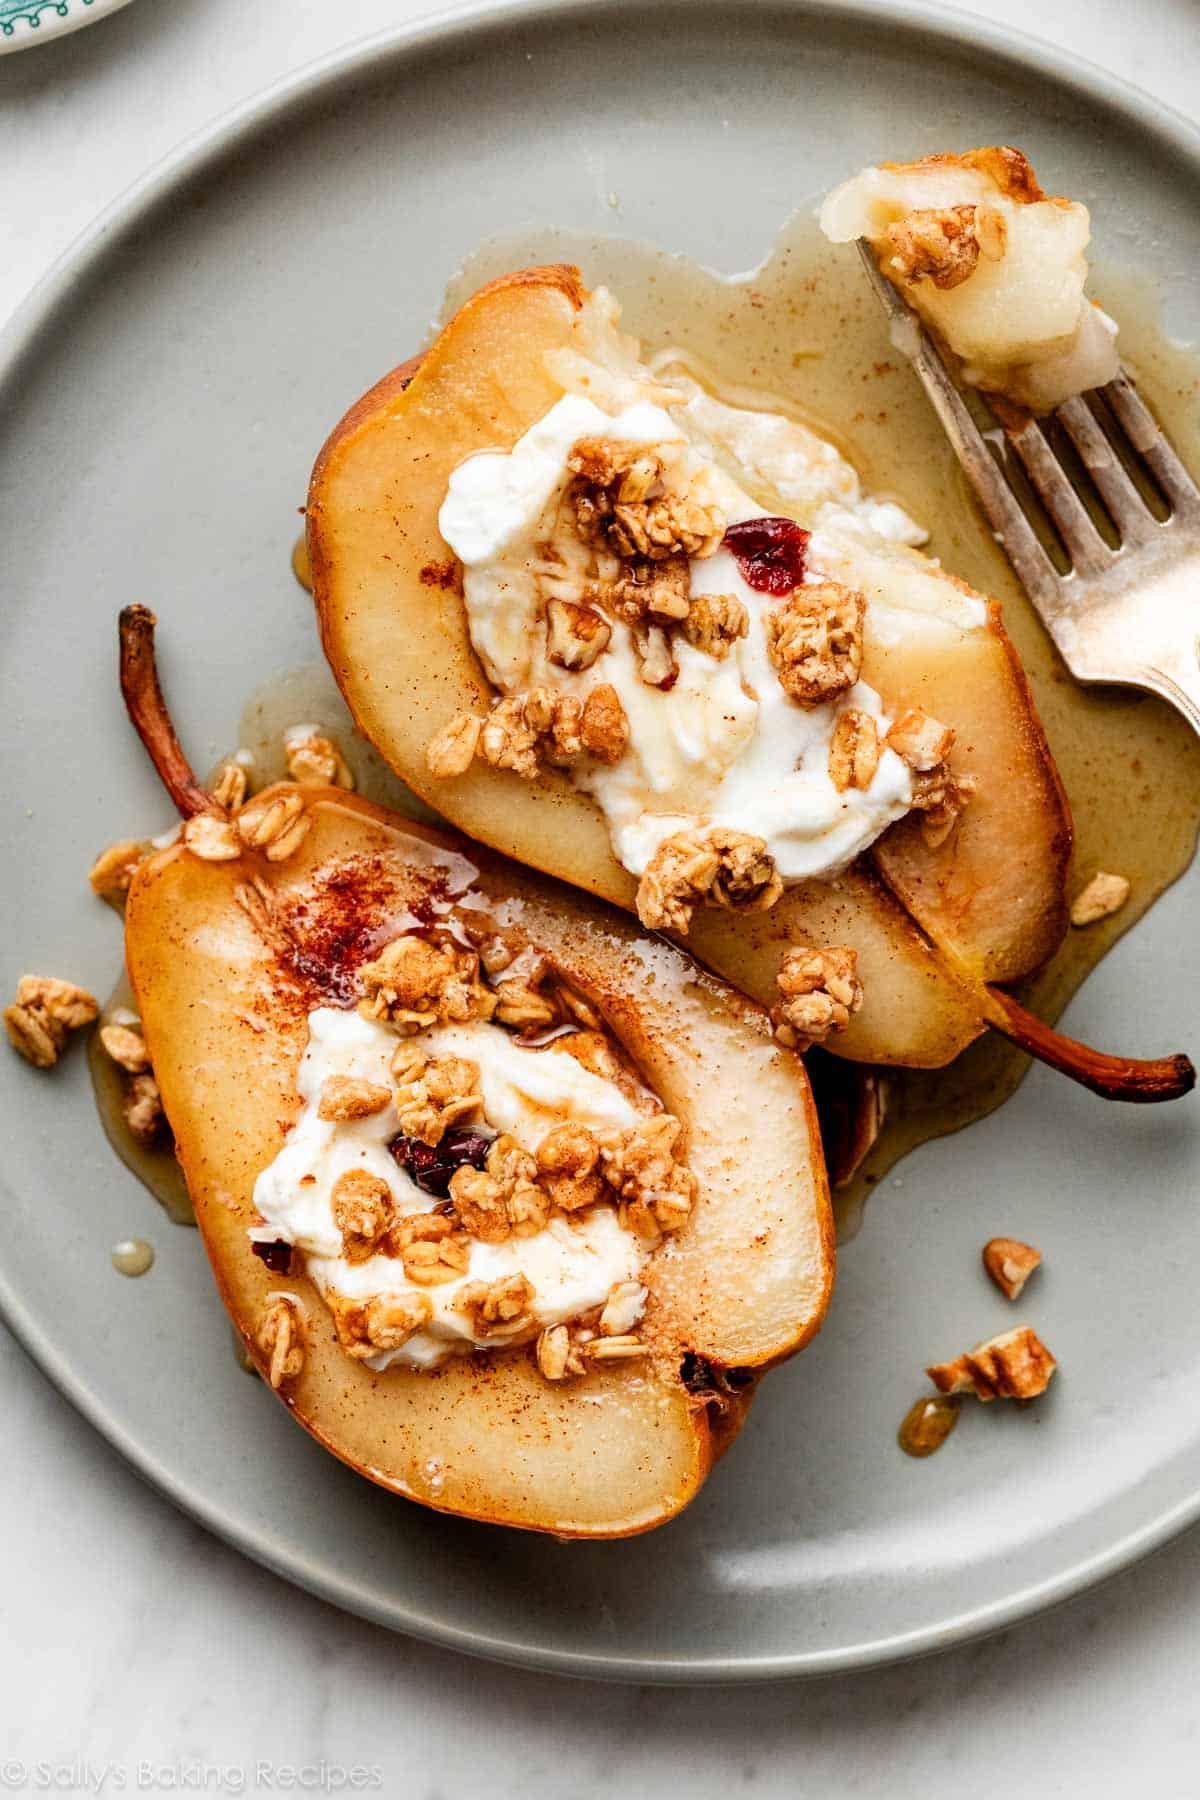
(132, 1256)
(241, 1355)
(300, 564)
(928, 1423)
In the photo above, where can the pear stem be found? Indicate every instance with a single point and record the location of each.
(1113, 1077)
(147, 710)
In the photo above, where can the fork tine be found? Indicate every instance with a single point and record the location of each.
(1128, 509)
(1143, 432)
(1089, 553)
(1004, 513)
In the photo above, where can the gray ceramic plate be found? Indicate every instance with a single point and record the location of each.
(163, 395)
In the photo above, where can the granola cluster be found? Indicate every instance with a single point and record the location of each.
(711, 865)
(619, 545)
(815, 641)
(495, 1190)
(433, 1093)
(314, 760)
(943, 244)
(821, 991)
(631, 499)
(564, 1351)
(275, 822)
(414, 983)
(523, 732)
(940, 795)
(44, 1013)
(141, 1103)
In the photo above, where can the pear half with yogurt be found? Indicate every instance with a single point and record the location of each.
(438, 605)
(351, 1239)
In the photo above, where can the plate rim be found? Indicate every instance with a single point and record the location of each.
(447, 29)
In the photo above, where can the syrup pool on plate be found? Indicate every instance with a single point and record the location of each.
(804, 335)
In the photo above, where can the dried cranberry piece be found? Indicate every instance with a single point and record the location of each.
(769, 552)
(431, 1169)
(276, 1254)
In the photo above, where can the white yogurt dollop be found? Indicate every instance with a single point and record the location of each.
(572, 1264)
(725, 745)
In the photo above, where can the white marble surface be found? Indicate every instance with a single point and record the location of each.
(139, 1654)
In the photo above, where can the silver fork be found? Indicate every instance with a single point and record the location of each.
(1129, 615)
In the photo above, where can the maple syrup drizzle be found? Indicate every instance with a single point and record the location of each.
(928, 1423)
(301, 568)
(155, 1165)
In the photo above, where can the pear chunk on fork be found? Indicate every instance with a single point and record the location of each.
(1128, 613)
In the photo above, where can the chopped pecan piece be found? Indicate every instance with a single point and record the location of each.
(656, 1188)
(853, 750)
(451, 751)
(1103, 896)
(280, 1337)
(634, 500)
(820, 989)
(575, 635)
(1010, 1263)
(363, 1211)
(714, 623)
(646, 589)
(43, 1014)
(815, 641)
(657, 666)
(1014, 1366)
(938, 243)
(568, 1164)
(350, 1097)
(314, 760)
(729, 868)
(498, 1308)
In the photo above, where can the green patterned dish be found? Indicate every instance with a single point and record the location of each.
(26, 22)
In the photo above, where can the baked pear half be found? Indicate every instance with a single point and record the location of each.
(660, 646)
(510, 1203)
